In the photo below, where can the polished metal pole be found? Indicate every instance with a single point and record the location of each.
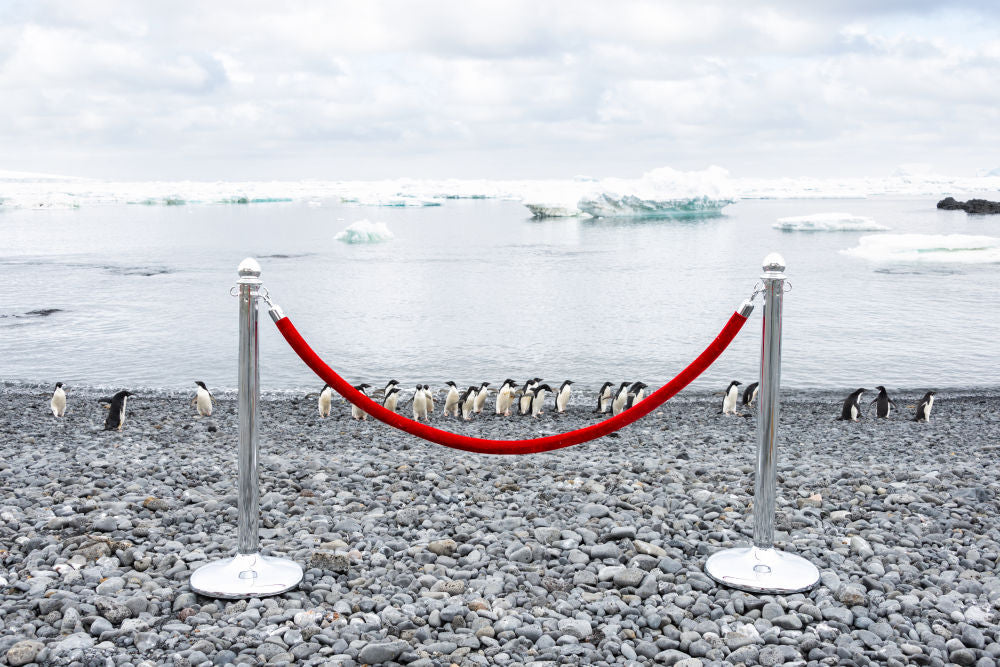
(248, 573)
(248, 499)
(768, 398)
(761, 568)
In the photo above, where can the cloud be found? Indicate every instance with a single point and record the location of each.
(232, 90)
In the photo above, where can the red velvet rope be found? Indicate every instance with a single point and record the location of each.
(485, 446)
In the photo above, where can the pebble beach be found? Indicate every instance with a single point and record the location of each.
(419, 555)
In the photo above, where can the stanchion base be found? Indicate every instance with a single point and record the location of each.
(762, 570)
(246, 576)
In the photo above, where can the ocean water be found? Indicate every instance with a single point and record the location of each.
(138, 296)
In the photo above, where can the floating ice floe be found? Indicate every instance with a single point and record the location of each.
(365, 231)
(390, 201)
(929, 248)
(553, 210)
(829, 222)
(661, 193)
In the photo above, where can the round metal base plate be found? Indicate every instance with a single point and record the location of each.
(762, 570)
(246, 576)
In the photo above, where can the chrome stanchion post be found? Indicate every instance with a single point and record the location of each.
(248, 573)
(761, 568)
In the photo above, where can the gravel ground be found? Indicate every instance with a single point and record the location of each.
(420, 555)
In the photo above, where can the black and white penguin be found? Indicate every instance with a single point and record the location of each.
(750, 394)
(325, 401)
(419, 404)
(429, 398)
(884, 404)
(524, 403)
(604, 397)
(505, 397)
(58, 402)
(481, 395)
(357, 412)
(468, 401)
(620, 399)
(635, 394)
(924, 407)
(451, 400)
(390, 399)
(732, 398)
(538, 399)
(203, 399)
(852, 406)
(116, 414)
(562, 396)
(388, 386)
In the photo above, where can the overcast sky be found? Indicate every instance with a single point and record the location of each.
(503, 89)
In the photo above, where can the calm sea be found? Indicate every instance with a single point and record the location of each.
(476, 290)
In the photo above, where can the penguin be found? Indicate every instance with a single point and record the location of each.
(852, 408)
(505, 397)
(429, 397)
(468, 402)
(451, 400)
(116, 414)
(391, 398)
(620, 399)
(604, 397)
(885, 404)
(481, 395)
(325, 399)
(419, 404)
(203, 399)
(731, 399)
(924, 407)
(388, 387)
(524, 403)
(750, 394)
(538, 399)
(58, 402)
(635, 394)
(562, 397)
(357, 412)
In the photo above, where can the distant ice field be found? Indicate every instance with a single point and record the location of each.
(125, 295)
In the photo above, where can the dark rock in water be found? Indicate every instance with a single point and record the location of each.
(973, 206)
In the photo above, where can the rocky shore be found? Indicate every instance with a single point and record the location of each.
(419, 555)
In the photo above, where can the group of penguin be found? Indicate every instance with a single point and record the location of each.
(851, 410)
(884, 405)
(529, 399)
(115, 420)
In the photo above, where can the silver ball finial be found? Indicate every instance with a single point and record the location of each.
(774, 263)
(249, 268)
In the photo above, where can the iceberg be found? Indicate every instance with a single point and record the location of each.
(829, 222)
(365, 231)
(927, 248)
(553, 210)
(662, 193)
(607, 205)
